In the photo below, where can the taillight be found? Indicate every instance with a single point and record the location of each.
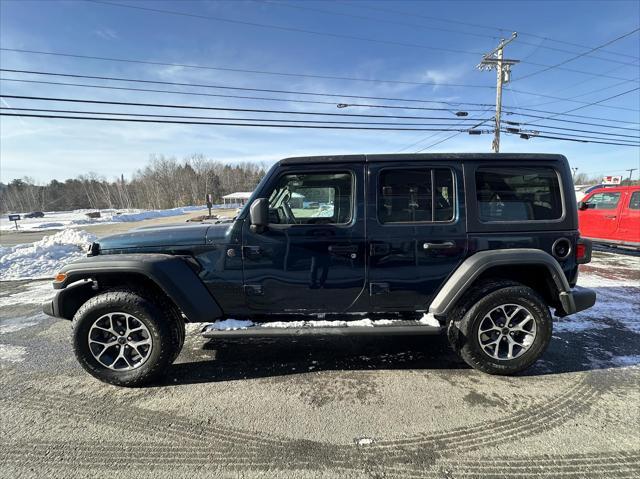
(583, 251)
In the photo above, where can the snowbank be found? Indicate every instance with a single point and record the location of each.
(76, 218)
(43, 258)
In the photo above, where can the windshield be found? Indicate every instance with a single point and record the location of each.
(245, 209)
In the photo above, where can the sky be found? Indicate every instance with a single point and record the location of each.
(412, 50)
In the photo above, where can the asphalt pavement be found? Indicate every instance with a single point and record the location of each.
(328, 406)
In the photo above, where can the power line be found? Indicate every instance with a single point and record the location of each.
(499, 29)
(293, 92)
(594, 103)
(575, 140)
(145, 115)
(447, 138)
(591, 92)
(435, 134)
(287, 74)
(282, 28)
(239, 70)
(226, 87)
(191, 117)
(298, 6)
(564, 62)
(319, 94)
(313, 32)
(243, 97)
(175, 122)
(516, 123)
(198, 107)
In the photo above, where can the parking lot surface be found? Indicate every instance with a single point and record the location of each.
(329, 406)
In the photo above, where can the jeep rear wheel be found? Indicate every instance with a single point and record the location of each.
(124, 339)
(505, 331)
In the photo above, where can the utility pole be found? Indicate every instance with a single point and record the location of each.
(631, 170)
(495, 59)
(574, 170)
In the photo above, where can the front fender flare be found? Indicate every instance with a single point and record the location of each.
(471, 268)
(172, 274)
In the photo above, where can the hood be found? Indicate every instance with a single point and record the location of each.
(159, 236)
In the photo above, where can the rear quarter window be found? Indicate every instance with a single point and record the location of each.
(515, 194)
(634, 202)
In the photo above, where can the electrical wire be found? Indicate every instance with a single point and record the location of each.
(564, 62)
(239, 70)
(576, 140)
(537, 46)
(199, 107)
(501, 30)
(243, 97)
(191, 117)
(226, 87)
(175, 122)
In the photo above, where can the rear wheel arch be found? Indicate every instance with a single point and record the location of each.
(533, 268)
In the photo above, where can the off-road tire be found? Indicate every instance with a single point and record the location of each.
(466, 318)
(160, 322)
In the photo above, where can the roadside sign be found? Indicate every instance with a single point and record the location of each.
(611, 180)
(15, 219)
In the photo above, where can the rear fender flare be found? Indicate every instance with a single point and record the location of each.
(471, 268)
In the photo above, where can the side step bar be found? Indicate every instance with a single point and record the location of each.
(257, 330)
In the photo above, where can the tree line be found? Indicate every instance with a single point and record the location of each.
(163, 183)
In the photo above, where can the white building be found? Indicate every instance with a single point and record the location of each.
(238, 198)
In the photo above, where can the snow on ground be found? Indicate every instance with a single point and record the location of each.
(32, 293)
(43, 258)
(11, 353)
(614, 277)
(234, 324)
(78, 218)
(13, 325)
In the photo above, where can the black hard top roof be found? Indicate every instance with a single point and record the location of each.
(421, 157)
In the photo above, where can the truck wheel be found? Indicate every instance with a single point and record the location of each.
(123, 338)
(505, 331)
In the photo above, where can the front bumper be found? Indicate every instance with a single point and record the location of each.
(576, 300)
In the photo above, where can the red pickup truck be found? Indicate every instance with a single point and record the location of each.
(611, 215)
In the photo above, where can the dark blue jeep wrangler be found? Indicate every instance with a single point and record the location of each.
(482, 245)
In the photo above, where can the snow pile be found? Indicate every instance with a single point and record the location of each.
(76, 218)
(43, 258)
(229, 325)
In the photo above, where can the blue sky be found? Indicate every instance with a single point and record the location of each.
(46, 148)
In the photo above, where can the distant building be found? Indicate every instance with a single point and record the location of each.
(241, 197)
(238, 198)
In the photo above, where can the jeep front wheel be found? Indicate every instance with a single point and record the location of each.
(123, 338)
(505, 331)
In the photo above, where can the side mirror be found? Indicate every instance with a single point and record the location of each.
(583, 205)
(259, 214)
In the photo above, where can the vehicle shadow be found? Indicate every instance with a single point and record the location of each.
(249, 358)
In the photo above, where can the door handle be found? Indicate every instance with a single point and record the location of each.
(434, 246)
(343, 249)
(610, 217)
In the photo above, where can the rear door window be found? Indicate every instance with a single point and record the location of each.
(518, 194)
(415, 195)
(607, 200)
(634, 202)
